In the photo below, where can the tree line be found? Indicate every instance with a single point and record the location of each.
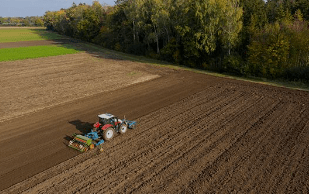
(22, 21)
(246, 37)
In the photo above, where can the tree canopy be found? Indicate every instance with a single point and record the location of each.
(247, 37)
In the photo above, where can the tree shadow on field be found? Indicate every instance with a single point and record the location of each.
(78, 45)
(95, 50)
(46, 35)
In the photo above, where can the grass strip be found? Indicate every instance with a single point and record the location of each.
(19, 53)
(20, 34)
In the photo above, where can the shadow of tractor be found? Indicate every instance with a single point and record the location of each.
(83, 127)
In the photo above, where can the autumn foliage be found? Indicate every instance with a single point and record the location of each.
(244, 37)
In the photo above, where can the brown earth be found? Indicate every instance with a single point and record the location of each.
(34, 84)
(196, 133)
(26, 43)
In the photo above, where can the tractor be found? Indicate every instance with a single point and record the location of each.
(103, 130)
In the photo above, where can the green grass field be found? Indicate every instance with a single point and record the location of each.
(26, 34)
(12, 54)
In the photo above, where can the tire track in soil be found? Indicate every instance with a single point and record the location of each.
(297, 181)
(137, 181)
(283, 155)
(179, 170)
(206, 142)
(58, 123)
(166, 114)
(215, 150)
(225, 167)
(171, 145)
(112, 171)
(258, 155)
(159, 114)
(264, 133)
(153, 122)
(241, 182)
(291, 166)
(267, 159)
(277, 108)
(206, 174)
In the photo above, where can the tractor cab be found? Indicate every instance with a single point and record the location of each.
(109, 120)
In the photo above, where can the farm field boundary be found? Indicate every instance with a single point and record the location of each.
(41, 34)
(142, 59)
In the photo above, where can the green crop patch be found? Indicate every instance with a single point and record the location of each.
(11, 54)
(20, 34)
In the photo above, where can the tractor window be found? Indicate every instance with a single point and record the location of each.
(113, 120)
(105, 121)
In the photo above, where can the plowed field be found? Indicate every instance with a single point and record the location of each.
(196, 134)
(34, 84)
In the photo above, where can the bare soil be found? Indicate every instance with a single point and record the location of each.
(34, 84)
(25, 43)
(196, 134)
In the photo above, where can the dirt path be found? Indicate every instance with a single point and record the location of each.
(197, 134)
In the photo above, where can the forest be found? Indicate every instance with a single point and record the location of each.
(22, 21)
(268, 39)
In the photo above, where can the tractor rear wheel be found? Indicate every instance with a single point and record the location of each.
(133, 126)
(123, 128)
(108, 134)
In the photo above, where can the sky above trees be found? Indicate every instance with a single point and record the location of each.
(23, 8)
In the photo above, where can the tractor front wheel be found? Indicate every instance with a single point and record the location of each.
(108, 134)
(123, 128)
